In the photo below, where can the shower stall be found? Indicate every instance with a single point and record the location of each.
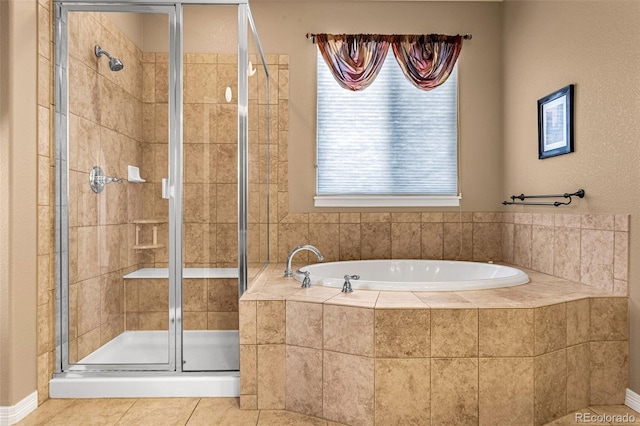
(162, 135)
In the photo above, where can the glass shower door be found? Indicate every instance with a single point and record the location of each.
(120, 306)
(152, 178)
(210, 190)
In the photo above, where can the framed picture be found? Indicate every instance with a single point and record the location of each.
(555, 123)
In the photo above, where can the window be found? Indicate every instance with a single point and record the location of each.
(388, 145)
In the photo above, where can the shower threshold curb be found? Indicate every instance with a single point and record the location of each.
(158, 385)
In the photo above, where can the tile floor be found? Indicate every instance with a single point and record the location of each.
(160, 411)
(599, 416)
(225, 411)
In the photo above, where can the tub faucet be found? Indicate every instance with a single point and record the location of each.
(288, 272)
(306, 282)
(346, 288)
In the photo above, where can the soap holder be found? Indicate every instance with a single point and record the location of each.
(133, 174)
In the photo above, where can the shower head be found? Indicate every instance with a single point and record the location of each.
(115, 64)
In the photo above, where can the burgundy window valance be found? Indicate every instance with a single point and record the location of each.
(355, 59)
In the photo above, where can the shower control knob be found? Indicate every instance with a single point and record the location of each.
(97, 179)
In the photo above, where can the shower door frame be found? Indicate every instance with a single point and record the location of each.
(173, 9)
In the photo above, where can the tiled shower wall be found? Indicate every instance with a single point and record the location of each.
(210, 156)
(45, 332)
(208, 304)
(95, 296)
(210, 186)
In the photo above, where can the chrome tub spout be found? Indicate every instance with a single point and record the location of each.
(287, 271)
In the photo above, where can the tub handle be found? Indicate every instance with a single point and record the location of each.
(306, 282)
(346, 287)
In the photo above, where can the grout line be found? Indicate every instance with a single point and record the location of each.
(533, 400)
(196, 407)
(127, 410)
(257, 356)
(375, 360)
(478, 358)
(322, 363)
(566, 380)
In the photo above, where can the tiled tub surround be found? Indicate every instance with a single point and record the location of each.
(586, 248)
(521, 355)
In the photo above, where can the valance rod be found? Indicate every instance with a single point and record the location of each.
(313, 37)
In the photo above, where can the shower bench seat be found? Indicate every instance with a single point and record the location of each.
(160, 273)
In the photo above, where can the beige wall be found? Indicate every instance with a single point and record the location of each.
(18, 214)
(207, 29)
(594, 45)
(282, 27)
(131, 24)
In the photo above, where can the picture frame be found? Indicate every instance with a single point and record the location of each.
(555, 123)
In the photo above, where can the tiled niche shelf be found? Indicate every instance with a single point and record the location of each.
(154, 244)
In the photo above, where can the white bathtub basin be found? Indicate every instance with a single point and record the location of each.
(415, 275)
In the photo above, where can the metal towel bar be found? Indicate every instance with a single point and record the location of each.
(579, 193)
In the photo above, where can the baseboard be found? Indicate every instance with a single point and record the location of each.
(15, 413)
(632, 400)
(186, 385)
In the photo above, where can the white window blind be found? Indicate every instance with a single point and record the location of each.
(390, 139)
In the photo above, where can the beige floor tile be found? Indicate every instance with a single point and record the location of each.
(575, 418)
(226, 411)
(619, 414)
(155, 411)
(46, 412)
(223, 412)
(92, 412)
(287, 418)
